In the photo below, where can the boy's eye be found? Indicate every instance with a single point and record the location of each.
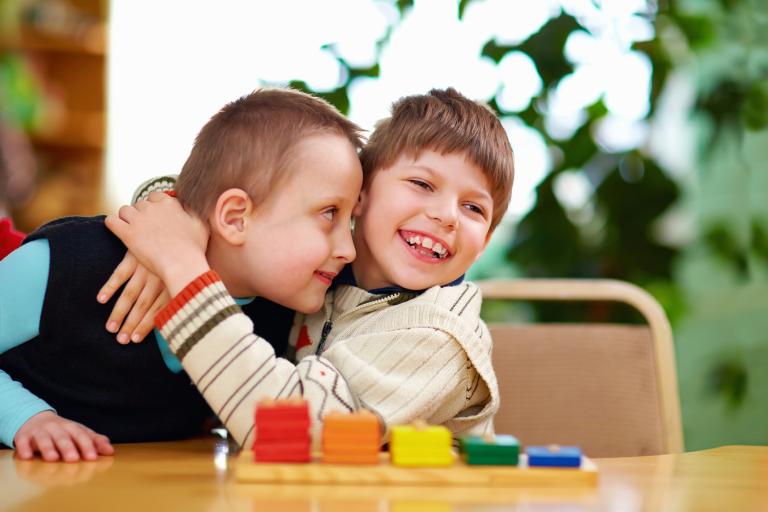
(330, 213)
(421, 184)
(474, 208)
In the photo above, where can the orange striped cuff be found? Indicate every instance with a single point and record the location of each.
(184, 296)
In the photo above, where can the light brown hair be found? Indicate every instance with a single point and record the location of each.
(249, 142)
(445, 121)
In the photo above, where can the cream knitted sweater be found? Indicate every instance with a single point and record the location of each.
(403, 357)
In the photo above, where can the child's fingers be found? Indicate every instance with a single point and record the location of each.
(117, 225)
(43, 442)
(156, 197)
(84, 441)
(125, 302)
(66, 447)
(147, 323)
(145, 326)
(124, 270)
(127, 212)
(23, 445)
(60, 433)
(153, 197)
(141, 307)
(120, 224)
(102, 444)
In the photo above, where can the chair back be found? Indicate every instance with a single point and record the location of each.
(609, 388)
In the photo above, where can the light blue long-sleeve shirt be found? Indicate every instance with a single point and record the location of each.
(23, 281)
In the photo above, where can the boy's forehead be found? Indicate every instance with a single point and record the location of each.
(326, 162)
(447, 165)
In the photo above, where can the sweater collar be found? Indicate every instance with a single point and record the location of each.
(347, 277)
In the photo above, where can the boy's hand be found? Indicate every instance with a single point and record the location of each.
(142, 298)
(56, 438)
(166, 239)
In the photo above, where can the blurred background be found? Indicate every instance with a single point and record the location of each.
(640, 130)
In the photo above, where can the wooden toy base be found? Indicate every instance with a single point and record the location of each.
(384, 473)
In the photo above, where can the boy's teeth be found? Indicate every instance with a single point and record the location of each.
(428, 243)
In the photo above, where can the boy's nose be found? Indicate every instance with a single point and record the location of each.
(344, 247)
(445, 213)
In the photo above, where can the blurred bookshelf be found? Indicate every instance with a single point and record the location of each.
(64, 45)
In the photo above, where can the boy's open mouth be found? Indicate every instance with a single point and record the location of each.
(425, 245)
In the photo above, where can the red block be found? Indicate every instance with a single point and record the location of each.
(282, 452)
(282, 411)
(297, 430)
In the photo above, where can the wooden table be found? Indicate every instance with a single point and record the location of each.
(197, 475)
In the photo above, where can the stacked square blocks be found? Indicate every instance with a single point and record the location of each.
(283, 435)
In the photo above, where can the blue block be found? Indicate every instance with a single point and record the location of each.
(554, 456)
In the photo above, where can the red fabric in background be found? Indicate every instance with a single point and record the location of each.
(10, 239)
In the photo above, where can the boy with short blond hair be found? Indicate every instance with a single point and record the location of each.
(275, 171)
(400, 332)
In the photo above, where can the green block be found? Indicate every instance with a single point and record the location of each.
(492, 451)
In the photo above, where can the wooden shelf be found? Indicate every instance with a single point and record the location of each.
(91, 42)
(77, 130)
(67, 50)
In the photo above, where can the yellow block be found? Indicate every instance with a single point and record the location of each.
(417, 445)
(414, 435)
(421, 459)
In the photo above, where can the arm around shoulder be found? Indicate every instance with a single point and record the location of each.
(233, 368)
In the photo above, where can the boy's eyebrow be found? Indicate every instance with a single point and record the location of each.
(331, 198)
(478, 191)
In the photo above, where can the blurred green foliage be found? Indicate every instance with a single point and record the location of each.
(22, 98)
(714, 283)
(722, 340)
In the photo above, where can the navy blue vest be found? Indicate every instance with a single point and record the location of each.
(125, 392)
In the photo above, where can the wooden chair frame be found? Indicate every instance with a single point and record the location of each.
(571, 290)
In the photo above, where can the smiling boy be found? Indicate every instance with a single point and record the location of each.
(400, 332)
(274, 176)
(400, 323)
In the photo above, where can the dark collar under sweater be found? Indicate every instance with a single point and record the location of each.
(346, 276)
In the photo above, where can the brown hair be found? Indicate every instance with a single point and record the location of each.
(248, 143)
(447, 122)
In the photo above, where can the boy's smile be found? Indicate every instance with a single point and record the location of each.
(426, 246)
(422, 222)
(325, 277)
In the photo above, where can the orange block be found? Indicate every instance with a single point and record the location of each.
(351, 438)
(351, 458)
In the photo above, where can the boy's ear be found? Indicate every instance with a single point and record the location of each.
(231, 215)
(358, 209)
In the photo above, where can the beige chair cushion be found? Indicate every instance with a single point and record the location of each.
(591, 385)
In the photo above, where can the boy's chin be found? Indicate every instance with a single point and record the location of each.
(422, 282)
(307, 307)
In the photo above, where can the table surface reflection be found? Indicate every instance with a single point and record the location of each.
(198, 475)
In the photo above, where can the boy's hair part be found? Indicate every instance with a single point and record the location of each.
(250, 142)
(445, 121)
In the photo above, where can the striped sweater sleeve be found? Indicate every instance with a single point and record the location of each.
(415, 373)
(233, 368)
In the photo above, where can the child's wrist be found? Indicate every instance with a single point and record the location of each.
(177, 276)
